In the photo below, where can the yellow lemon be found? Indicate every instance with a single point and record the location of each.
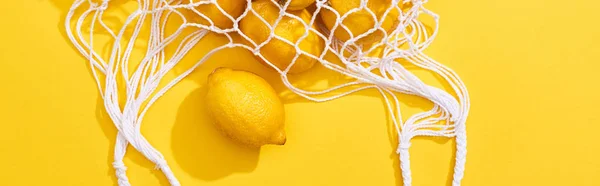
(297, 4)
(277, 51)
(361, 21)
(245, 107)
(234, 8)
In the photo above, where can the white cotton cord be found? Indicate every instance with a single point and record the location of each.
(459, 126)
(112, 107)
(126, 120)
(91, 51)
(460, 89)
(406, 41)
(418, 88)
(425, 91)
(404, 156)
(460, 130)
(79, 42)
(118, 165)
(461, 137)
(148, 150)
(173, 82)
(397, 115)
(461, 154)
(134, 108)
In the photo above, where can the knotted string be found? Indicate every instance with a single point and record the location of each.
(405, 42)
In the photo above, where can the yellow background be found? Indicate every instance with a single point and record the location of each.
(531, 68)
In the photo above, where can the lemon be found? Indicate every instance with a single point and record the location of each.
(297, 4)
(276, 51)
(361, 21)
(245, 107)
(234, 8)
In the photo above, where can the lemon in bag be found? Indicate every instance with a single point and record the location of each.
(361, 21)
(277, 51)
(233, 8)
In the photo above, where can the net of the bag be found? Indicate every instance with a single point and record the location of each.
(367, 39)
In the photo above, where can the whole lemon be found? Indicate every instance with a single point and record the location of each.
(276, 51)
(234, 8)
(297, 4)
(361, 21)
(245, 107)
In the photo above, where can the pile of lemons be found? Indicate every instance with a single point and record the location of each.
(243, 105)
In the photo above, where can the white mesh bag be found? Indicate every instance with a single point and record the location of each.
(367, 38)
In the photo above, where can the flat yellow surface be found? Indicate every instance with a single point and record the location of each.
(531, 68)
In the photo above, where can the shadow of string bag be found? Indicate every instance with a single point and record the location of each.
(395, 32)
